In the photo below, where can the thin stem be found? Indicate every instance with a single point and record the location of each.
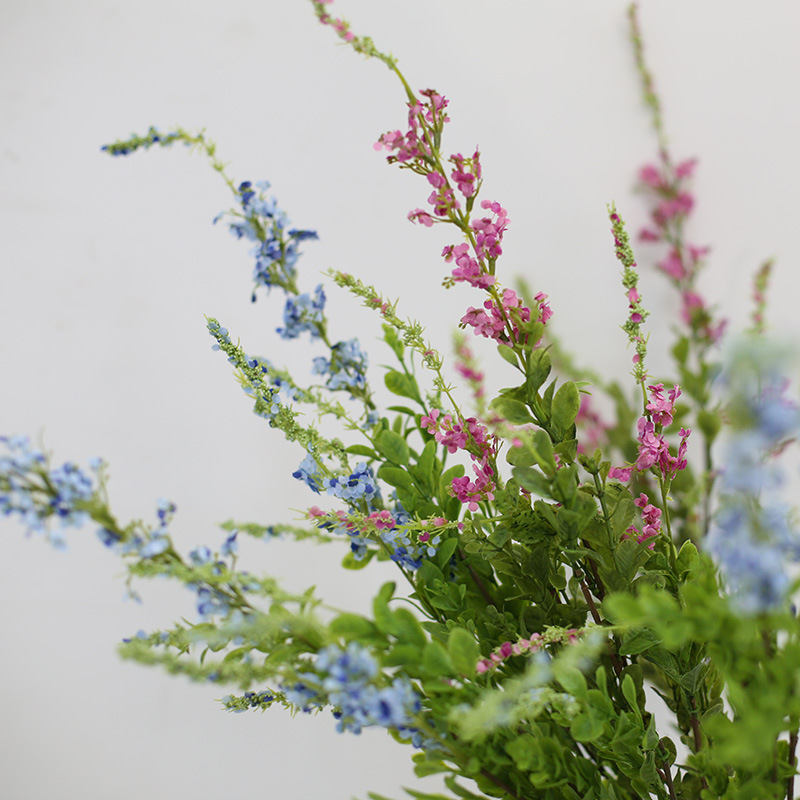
(792, 763)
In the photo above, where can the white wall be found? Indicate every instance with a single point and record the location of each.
(108, 265)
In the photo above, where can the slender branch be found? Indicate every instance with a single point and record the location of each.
(792, 764)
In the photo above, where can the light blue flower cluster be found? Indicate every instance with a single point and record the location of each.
(346, 368)
(309, 472)
(360, 485)
(302, 313)
(752, 538)
(35, 493)
(262, 222)
(346, 679)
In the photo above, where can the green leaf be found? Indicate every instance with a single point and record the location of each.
(436, 660)
(538, 370)
(571, 678)
(393, 447)
(361, 450)
(397, 477)
(688, 558)
(401, 384)
(532, 480)
(393, 340)
(586, 728)
(520, 456)
(636, 642)
(427, 462)
(511, 410)
(565, 406)
(409, 631)
(384, 618)
(544, 452)
(507, 354)
(423, 767)
(445, 552)
(351, 562)
(352, 626)
(463, 650)
(629, 690)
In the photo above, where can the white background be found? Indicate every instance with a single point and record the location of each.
(108, 266)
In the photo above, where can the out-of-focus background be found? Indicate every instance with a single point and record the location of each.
(107, 267)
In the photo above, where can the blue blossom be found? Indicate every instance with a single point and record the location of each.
(35, 493)
(261, 221)
(200, 556)
(211, 602)
(231, 546)
(349, 678)
(303, 313)
(309, 472)
(346, 368)
(302, 695)
(751, 537)
(360, 485)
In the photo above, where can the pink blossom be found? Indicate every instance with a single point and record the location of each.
(467, 173)
(651, 176)
(647, 235)
(686, 168)
(672, 265)
(423, 217)
(661, 408)
(620, 473)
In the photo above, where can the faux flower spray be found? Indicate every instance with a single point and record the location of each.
(561, 569)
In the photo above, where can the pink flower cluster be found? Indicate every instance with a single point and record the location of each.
(501, 322)
(466, 173)
(651, 519)
(468, 435)
(682, 261)
(653, 447)
(521, 647)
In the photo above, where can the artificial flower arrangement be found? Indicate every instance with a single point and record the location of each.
(561, 567)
